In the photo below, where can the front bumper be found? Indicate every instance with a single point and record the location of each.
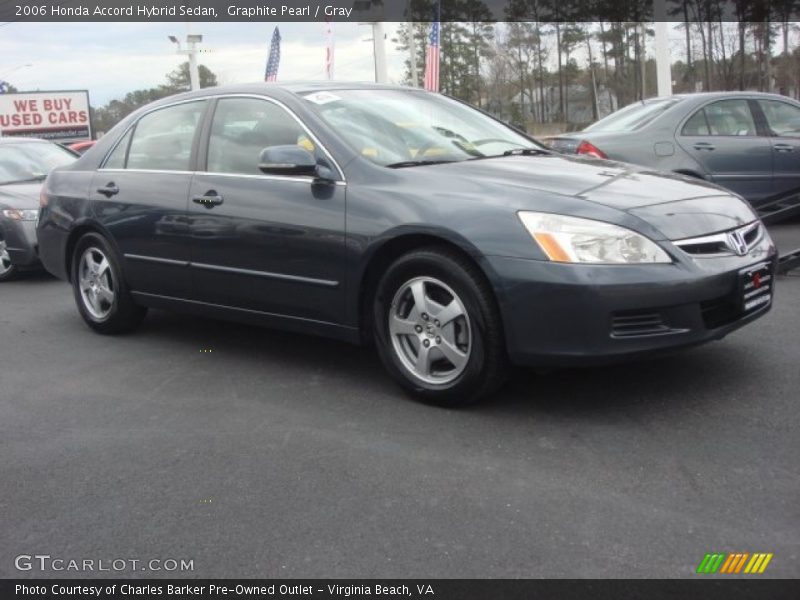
(565, 314)
(20, 238)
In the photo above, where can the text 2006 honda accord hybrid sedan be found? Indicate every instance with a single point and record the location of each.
(406, 219)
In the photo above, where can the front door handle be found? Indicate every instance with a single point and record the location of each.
(209, 200)
(783, 148)
(704, 146)
(109, 190)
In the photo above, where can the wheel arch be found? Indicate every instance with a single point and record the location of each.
(390, 248)
(77, 232)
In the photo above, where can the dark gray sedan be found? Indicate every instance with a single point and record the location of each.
(24, 163)
(746, 142)
(390, 216)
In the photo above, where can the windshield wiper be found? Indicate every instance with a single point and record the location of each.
(417, 163)
(28, 180)
(526, 152)
(517, 152)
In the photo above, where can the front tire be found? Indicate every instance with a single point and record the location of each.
(103, 299)
(438, 330)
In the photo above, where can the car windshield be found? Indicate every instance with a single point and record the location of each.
(30, 161)
(633, 116)
(398, 128)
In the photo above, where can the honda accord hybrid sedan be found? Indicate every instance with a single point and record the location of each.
(408, 220)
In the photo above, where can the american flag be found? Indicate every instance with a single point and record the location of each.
(274, 59)
(432, 59)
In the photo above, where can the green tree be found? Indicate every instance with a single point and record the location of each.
(180, 81)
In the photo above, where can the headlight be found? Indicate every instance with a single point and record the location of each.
(16, 214)
(575, 240)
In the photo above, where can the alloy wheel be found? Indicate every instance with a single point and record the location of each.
(96, 280)
(430, 330)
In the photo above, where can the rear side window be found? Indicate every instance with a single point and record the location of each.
(162, 140)
(783, 118)
(722, 118)
(116, 160)
(697, 125)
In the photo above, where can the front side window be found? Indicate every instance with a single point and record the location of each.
(243, 127)
(163, 139)
(783, 119)
(730, 118)
(391, 127)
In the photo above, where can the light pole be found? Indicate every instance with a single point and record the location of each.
(192, 39)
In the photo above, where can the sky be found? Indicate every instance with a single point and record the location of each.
(111, 59)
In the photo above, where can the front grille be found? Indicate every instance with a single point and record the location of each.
(706, 248)
(637, 323)
(722, 244)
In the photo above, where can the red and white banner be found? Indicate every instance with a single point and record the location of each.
(59, 116)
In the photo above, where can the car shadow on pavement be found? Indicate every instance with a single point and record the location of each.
(687, 379)
(33, 277)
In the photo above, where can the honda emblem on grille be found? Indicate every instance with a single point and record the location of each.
(737, 243)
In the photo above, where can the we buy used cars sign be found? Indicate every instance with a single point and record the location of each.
(57, 116)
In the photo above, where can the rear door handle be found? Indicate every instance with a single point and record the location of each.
(109, 190)
(783, 148)
(209, 200)
(704, 146)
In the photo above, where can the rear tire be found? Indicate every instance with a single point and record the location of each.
(102, 296)
(7, 270)
(438, 330)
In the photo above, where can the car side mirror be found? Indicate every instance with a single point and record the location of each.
(287, 160)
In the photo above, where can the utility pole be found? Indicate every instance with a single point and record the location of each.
(663, 66)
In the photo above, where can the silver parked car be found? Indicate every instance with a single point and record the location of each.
(24, 164)
(747, 142)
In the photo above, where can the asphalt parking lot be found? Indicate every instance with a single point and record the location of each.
(264, 454)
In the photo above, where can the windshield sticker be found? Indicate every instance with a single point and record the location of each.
(322, 97)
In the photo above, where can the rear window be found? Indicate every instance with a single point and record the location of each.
(634, 116)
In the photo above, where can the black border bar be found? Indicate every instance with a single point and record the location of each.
(707, 588)
(63, 11)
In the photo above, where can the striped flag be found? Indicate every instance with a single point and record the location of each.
(432, 59)
(274, 60)
(329, 49)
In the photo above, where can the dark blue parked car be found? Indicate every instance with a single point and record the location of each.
(408, 220)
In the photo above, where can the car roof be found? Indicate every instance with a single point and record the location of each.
(719, 95)
(279, 89)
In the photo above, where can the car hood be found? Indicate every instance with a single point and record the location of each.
(20, 195)
(678, 206)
